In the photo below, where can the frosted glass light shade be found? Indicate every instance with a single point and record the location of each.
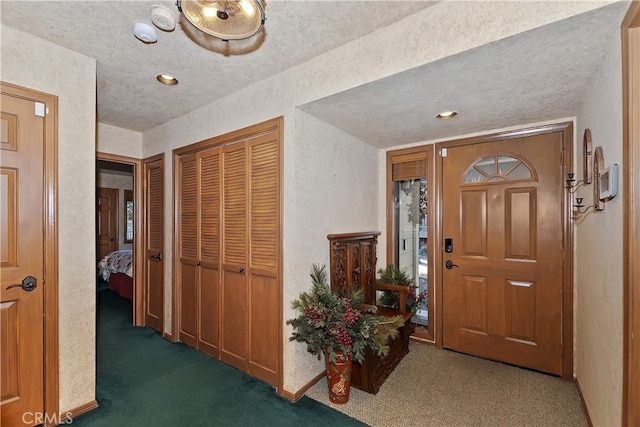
(225, 19)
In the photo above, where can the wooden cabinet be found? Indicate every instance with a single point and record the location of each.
(228, 245)
(353, 258)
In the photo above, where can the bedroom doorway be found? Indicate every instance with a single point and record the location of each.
(120, 268)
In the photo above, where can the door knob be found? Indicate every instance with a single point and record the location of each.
(449, 264)
(29, 283)
(157, 257)
(241, 270)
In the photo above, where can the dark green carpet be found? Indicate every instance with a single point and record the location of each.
(144, 380)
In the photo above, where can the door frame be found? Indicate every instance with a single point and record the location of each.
(50, 219)
(566, 128)
(138, 230)
(631, 230)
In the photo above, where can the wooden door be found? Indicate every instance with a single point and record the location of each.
(154, 242)
(502, 282)
(106, 221)
(22, 261)
(187, 223)
(199, 249)
(264, 259)
(234, 298)
(209, 253)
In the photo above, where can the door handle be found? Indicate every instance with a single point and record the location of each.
(449, 264)
(241, 270)
(28, 284)
(157, 257)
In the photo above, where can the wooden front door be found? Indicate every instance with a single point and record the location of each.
(503, 250)
(106, 221)
(22, 262)
(154, 243)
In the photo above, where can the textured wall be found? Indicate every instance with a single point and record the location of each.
(335, 192)
(37, 64)
(114, 140)
(598, 254)
(121, 182)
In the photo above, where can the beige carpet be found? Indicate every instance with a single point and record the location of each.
(432, 387)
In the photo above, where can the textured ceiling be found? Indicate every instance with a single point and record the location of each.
(129, 95)
(533, 76)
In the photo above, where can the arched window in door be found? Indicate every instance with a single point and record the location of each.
(499, 168)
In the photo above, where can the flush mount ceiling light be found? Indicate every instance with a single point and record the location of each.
(167, 79)
(446, 115)
(225, 19)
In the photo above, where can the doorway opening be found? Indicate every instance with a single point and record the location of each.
(119, 225)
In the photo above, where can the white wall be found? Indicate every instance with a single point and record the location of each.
(599, 285)
(336, 192)
(38, 64)
(114, 140)
(434, 33)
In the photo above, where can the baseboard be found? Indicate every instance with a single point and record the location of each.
(294, 397)
(584, 403)
(67, 416)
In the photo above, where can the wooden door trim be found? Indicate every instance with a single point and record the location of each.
(566, 128)
(631, 229)
(50, 205)
(138, 242)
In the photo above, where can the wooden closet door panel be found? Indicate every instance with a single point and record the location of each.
(209, 283)
(264, 230)
(188, 297)
(263, 339)
(234, 209)
(187, 218)
(209, 312)
(264, 204)
(234, 343)
(154, 245)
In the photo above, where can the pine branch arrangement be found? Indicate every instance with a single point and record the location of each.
(340, 323)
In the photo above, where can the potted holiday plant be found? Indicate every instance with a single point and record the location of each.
(341, 328)
(390, 297)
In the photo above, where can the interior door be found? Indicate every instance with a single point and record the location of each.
(502, 278)
(106, 221)
(234, 346)
(209, 251)
(22, 261)
(154, 242)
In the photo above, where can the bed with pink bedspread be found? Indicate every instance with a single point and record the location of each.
(117, 270)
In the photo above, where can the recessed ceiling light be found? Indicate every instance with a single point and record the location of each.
(167, 79)
(445, 115)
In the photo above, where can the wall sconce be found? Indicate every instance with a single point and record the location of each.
(572, 185)
(579, 209)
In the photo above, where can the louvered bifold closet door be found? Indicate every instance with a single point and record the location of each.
(234, 345)
(262, 274)
(187, 220)
(209, 257)
(154, 286)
